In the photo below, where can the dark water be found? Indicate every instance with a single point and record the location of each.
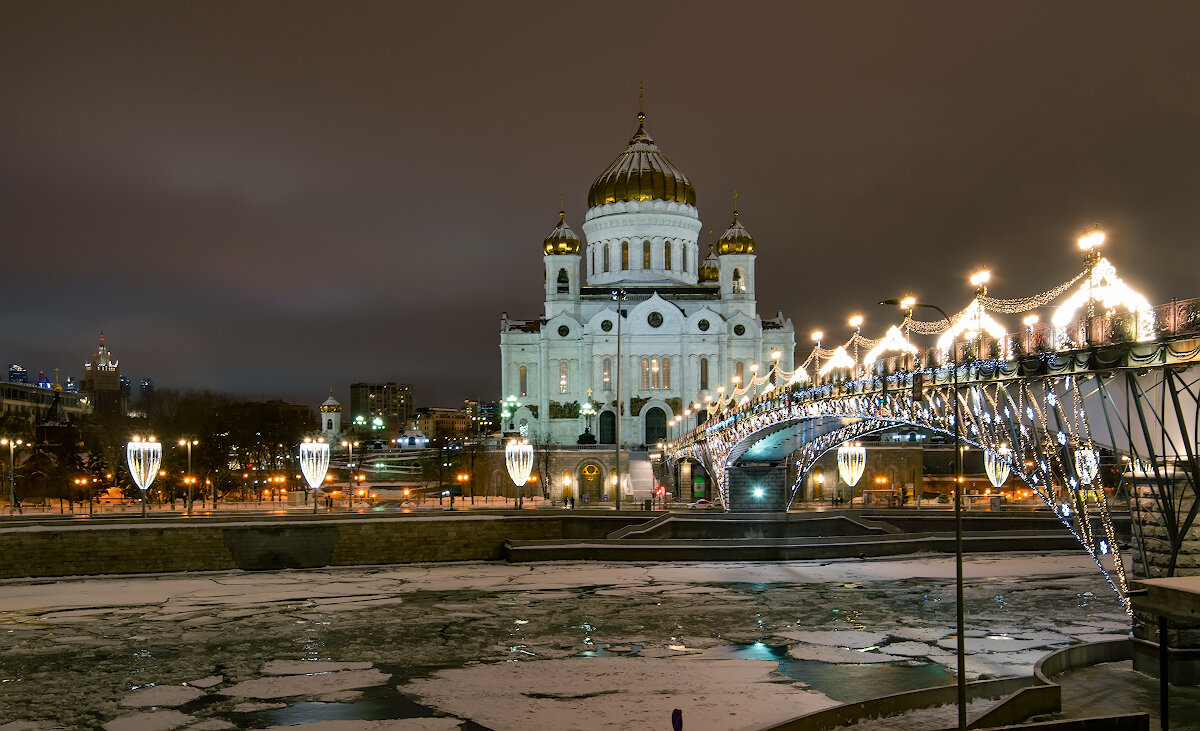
(848, 683)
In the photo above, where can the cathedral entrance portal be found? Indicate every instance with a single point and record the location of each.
(608, 428)
(656, 425)
(590, 484)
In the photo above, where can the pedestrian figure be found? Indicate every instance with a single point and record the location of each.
(677, 720)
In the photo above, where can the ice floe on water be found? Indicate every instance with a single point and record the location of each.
(557, 646)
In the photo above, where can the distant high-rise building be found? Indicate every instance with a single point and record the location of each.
(44, 381)
(71, 386)
(145, 389)
(17, 373)
(390, 402)
(102, 382)
(127, 388)
(484, 416)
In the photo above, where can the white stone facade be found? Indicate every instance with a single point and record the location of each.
(686, 328)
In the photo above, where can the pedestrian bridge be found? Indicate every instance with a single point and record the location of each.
(1104, 392)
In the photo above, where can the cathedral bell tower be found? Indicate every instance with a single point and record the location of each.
(561, 256)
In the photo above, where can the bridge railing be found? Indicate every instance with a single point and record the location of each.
(1178, 318)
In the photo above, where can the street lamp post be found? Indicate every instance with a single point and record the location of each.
(12, 478)
(909, 303)
(816, 336)
(314, 463)
(518, 457)
(618, 296)
(189, 442)
(143, 458)
(349, 445)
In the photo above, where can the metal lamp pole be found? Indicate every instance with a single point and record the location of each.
(12, 479)
(909, 304)
(188, 443)
(619, 295)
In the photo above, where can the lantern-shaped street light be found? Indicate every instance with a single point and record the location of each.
(314, 463)
(518, 457)
(1087, 465)
(143, 458)
(851, 460)
(995, 463)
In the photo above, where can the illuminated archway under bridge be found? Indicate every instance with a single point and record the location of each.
(1053, 411)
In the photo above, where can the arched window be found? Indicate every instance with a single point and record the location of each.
(739, 283)
(564, 281)
(666, 373)
(704, 374)
(329, 425)
(645, 255)
(645, 374)
(685, 260)
(562, 377)
(624, 255)
(667, 255)
(605, 258)
(606, 374)
(655, 372)
(524, 381)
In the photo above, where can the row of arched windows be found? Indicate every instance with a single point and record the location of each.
(656, 374)
(605, 263)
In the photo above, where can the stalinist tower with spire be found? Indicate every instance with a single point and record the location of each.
(687, 324)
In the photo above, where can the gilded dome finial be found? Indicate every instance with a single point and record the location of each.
(735, 210)
(641, 102)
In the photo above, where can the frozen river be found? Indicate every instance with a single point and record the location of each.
(544, 646)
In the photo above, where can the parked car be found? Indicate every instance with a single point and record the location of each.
(700, 504)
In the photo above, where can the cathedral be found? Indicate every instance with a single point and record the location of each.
(637, 325)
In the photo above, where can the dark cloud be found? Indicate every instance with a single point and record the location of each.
(279, 197)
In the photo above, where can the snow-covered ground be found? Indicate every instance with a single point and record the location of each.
(545, 646)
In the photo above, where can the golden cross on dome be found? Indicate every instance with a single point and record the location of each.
(641, 101)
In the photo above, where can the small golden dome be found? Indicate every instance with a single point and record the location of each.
(562, 240)
(710, 268)
(331, 405)
(641, 173)
(736, 239)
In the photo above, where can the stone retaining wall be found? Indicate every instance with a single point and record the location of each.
(129, 548)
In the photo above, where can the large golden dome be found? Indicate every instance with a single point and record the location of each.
(562, 240)
(736, 239)
(641, 173)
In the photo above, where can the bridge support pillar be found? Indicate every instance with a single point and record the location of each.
(1152, 560)
(757, 488)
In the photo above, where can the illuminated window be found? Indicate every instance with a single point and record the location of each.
(524, 381)
(645, 255)
(704, 374)
(654, 373)
(666, 373)
(604, 373)
(605, 257)
(667, 255)
(562, 377)
(645, 374)
(739, 283)
(624, 255)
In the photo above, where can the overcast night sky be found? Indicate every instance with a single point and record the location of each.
(275, 198)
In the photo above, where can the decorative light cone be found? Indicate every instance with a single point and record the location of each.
(518, 456)
(852, 460)
(996, 466)
(314, 463)
(143, 458)
(1087, 465)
